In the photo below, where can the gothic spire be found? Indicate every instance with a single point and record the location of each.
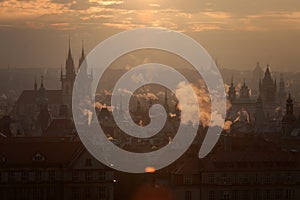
(35, 85)
(42, 82)
(70, 69)
(82, 49)
(82, 58)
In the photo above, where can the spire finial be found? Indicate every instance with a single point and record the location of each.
(69, 51)
(35, 84)
(82, 48)
(42, 81)
(69, 42)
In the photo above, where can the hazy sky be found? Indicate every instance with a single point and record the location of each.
(33, 33)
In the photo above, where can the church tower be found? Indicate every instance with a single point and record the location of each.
(245, 92)
(268, 87)
(43, 118)
(232, 92)
(289, 118)
(84, 89)
(281, 92)
(67, 79)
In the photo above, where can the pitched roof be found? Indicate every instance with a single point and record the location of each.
(61, 127)
(30, 96)
(20, 153)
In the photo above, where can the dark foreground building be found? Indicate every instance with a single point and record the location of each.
(239, 168)
(51, 168)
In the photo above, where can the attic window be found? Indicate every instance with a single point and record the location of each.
(2, 159)
(38, 157)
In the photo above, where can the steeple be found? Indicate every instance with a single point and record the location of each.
(82, 49)
(244, 92)
(35, 85)
(259, 113)
(289, 105)
(268, 73)
(61, 73)
(166, 105)
(42, 88)
(82, 58)
(281, 93)
(70, 69)
(232, 92)
(257, 72)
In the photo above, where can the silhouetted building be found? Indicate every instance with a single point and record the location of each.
(289, 118)
(54, 169)
(28, 110)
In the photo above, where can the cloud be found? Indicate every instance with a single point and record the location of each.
(186, 16)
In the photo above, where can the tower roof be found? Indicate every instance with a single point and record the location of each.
(258, 70)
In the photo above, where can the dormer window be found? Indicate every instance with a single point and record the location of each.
(38, 157)
(2, 159)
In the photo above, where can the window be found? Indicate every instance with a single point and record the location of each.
(38, 157)
(245, 195)
(225, 195)
(88, 162)
(267, 179)
(102, 192)
(87, 193)
(11, 176)
(288, 177)
(75, 175)
(88, 176)
(187, 180)
(235, 195)
(267, 195)
(188, 195)
(289, 194)
(2, 159)
(257, 194)
(51, 175)
(24, 176)
(75, 193)
(278, 193)
(257, 178)
(225, 179)
(101, 176)
(38, 175)
(211, 195)
(211, 178)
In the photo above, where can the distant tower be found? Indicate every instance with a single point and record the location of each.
(231, 92)
(259, 114)
(268, 87)
(86, 84)
(44, 118)
(68, 79)
(282, 95)
(257, 72)
(35, 85)
(289, 118)
(166, 104)
(244, 92)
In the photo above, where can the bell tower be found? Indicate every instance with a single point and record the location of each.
(67, 79)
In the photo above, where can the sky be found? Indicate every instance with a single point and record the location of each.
(238, 33)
